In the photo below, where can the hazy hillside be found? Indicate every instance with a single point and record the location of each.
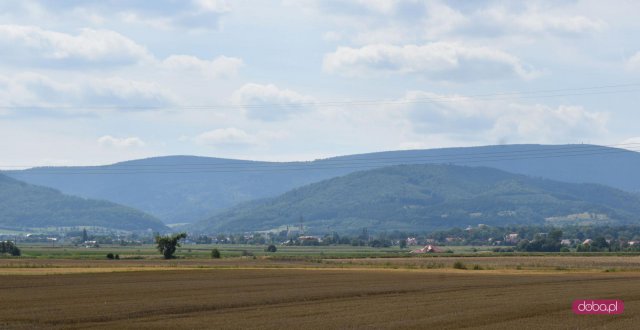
(27, 206)
(187, 189)
(177, 188)
(419, 197)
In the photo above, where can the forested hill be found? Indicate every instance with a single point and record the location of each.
(25, 206)
(425, 197)
(186, 188)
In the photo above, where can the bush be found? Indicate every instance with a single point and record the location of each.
(9, 248)
(503, 249)
(117, 257)
(459, 265)
(110, 256)
(271, 248)
(215, 254)
(246, 253)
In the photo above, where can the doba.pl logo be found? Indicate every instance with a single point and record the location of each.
(587, 306)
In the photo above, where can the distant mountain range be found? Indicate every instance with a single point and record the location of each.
(178, 189)
(427, 197)
(24, 206)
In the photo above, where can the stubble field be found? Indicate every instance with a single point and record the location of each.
(271, 298)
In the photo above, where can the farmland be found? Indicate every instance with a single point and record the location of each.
(311, 287)
(312, 298)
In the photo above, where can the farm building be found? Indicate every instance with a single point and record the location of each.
(512, 238)
(428, 249)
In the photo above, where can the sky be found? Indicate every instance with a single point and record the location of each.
(97, 82)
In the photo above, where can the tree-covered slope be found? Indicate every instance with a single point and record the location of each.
(186, 189)
(27, 206)
(177, 189)
(420, 197)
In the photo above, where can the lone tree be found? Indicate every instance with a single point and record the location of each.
(271, 248)
(215, 254)
(167, 244)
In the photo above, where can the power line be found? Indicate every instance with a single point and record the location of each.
(470, 159)
(231, 163)
(544, 93)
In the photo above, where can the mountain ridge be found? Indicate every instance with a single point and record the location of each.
(180, 189)
(24, 206)
(427, 197)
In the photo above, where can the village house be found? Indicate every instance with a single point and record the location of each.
(310, 239)
(427, 249)
(511, 238)
(90, 244)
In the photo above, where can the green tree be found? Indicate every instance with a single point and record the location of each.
(555, 235)
(215, 254)
(403, 243)
(271, 248)
(167, 244)
(600, 244)
(10, 248)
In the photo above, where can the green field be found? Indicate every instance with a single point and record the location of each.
(199, 251)
(203, 251)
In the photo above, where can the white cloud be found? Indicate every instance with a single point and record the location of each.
(118, 91)
(125, 142)
(30, 88)
(388, 8)
(187, 15)
(332, 36)
(414, 21)
(196, 15)
(632, 143)
(232, 138)
(547, 124)
(438, 61)
(268, 102)
(33, 90)
(501, 120)
(219, 67)
(31, 44)
(633, 63)
(503, 20)
(225, 138)
(214, 6)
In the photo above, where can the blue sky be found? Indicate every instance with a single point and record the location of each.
(85, 82)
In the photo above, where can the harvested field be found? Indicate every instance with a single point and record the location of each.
(313, 298)
(542, 263)
(548, 263)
